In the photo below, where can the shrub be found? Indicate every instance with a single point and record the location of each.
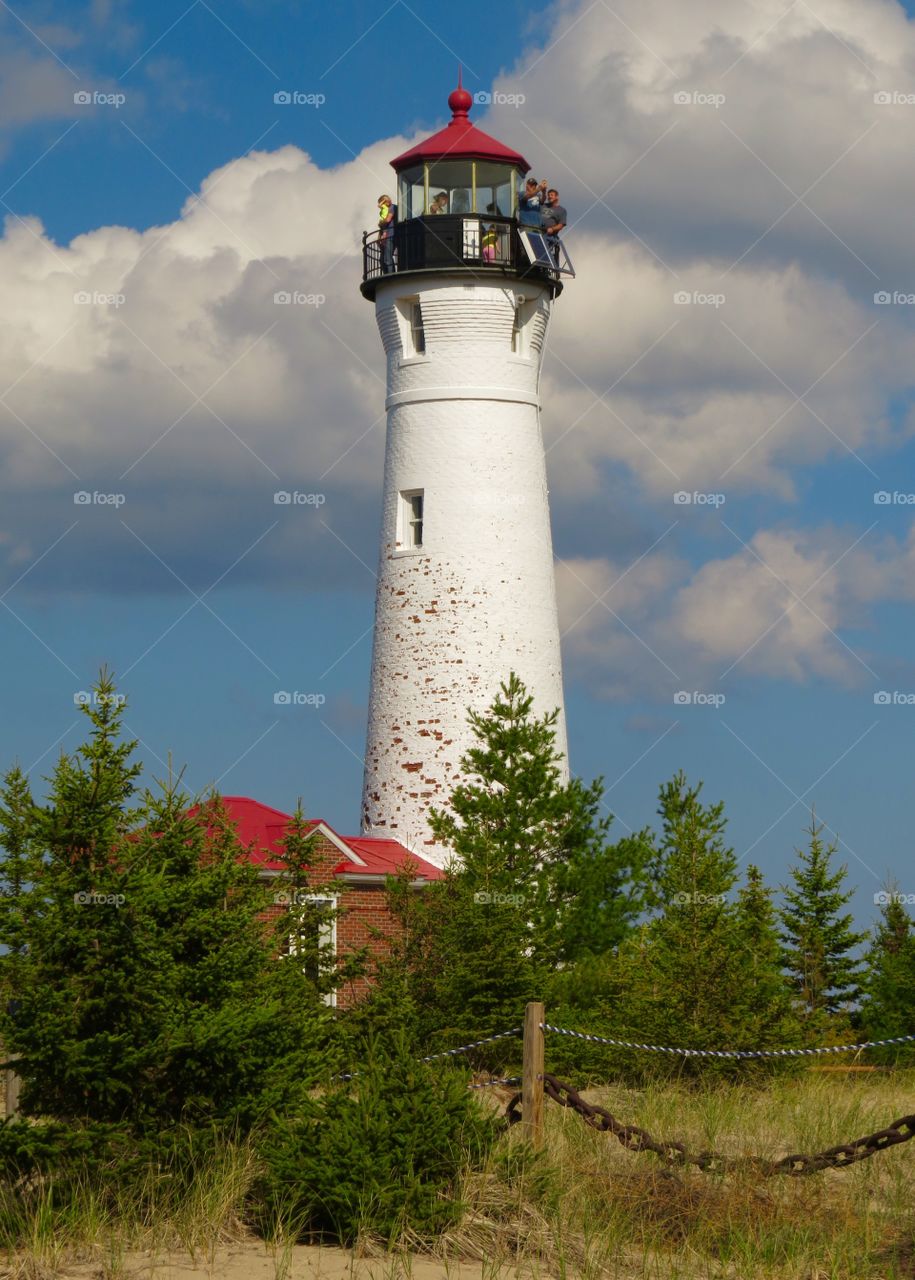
(382, 1154)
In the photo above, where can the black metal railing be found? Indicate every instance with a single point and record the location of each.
(484, 243)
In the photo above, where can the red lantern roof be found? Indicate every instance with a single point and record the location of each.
(460, 140)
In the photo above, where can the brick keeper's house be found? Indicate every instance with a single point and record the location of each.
(360, 863)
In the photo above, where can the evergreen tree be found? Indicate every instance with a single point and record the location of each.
(304, 915)
(515, 827)
(889, 985)
(818, 937)
(766, 999)
(16, 812)
(703, 972)
(533, 883)
(147, 986)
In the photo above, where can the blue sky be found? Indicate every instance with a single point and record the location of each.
(288, 600)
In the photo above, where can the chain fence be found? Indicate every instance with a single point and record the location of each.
(634, 1138)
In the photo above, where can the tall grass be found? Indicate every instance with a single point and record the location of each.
(584, 1207)
(195, 1207)
(589, 1207)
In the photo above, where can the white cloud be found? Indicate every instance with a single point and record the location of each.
(699, 395)
(791, 604)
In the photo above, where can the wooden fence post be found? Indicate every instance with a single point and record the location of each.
(532, 1074)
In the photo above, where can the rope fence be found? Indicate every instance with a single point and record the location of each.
(727, 1053)
(451, 1053)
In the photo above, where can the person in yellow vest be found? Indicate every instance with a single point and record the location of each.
(386, 215)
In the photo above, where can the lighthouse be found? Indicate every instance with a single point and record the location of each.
(466, 594)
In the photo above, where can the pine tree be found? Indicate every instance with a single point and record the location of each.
(889, 984)
(533, 883)
(702, 973)
(818, 937)
(148, 989)
(765, 996)
(516, 827)
(304, 915)
(16, 869)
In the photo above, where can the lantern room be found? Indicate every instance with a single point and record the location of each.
(456, 208)
(459, 170)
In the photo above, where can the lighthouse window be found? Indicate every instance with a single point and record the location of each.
(412, 504)
(417, 332)
(525, 309)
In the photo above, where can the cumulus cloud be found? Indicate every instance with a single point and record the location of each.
(776, 606)
(722, 334)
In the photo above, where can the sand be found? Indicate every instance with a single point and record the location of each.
(253, 1261)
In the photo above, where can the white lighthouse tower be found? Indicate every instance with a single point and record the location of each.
(466, 590)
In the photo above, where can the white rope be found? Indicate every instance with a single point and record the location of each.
(728, 1053)
(450, 1053)
(465, 1048)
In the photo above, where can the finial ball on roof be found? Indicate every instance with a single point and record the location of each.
(460, 101)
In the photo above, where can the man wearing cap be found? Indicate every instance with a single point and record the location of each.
(530, 198)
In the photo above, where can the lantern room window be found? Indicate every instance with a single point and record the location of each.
(458, 187)
(496, 188)
(411, 194)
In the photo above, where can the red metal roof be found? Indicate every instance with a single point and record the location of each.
(261, 829)
(460, 140)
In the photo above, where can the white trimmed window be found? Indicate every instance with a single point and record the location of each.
(525, 310)
(412, 331)
(516, 331)
(412, 514)
(315, 943)
(417, 332)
